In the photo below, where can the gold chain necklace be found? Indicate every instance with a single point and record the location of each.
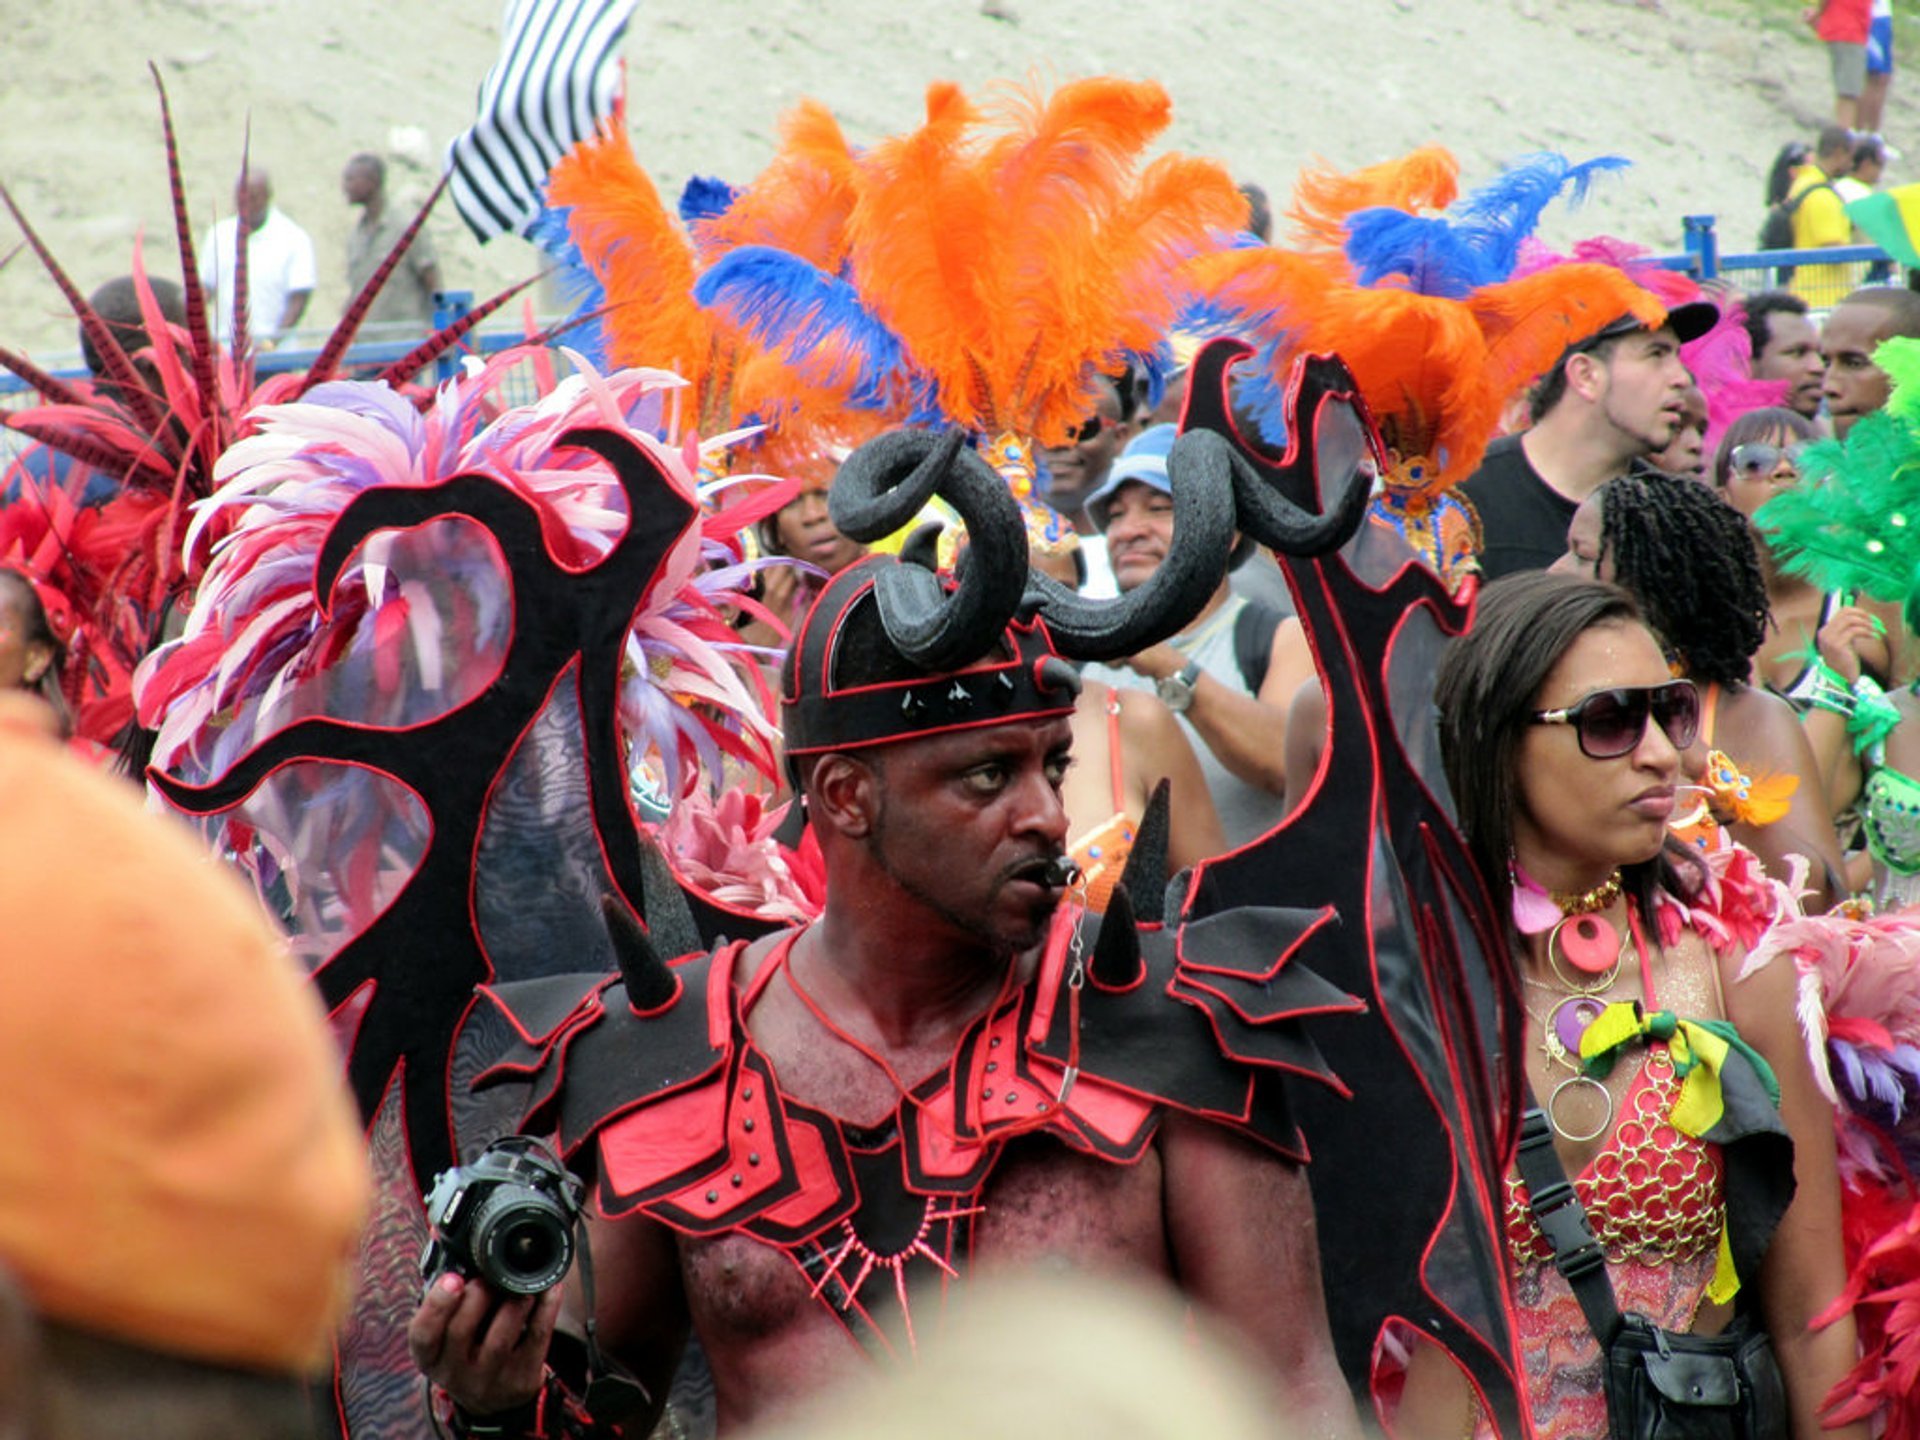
(1586, 902)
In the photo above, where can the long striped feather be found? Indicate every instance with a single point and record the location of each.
(240, 332)
(200, 344)
(446, 338)
(119, 368)
(51, 386)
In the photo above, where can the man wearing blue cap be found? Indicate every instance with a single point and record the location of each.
(1230, 675)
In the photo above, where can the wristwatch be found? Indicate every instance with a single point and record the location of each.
(1176, 691)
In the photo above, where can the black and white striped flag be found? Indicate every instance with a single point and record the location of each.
(556, 77)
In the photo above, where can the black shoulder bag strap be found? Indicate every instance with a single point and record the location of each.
(1562, 1219)
(1798, 200)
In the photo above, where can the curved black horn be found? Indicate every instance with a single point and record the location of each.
(887, 481)
(1329, 438)
(1200, 474)
(880, 487)
(1276, 522)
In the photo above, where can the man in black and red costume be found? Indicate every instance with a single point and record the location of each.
(800, 1141)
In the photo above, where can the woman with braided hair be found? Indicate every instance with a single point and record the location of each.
(1689, 558)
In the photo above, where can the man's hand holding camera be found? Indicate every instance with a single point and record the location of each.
(487, 1351)
(502, 1241)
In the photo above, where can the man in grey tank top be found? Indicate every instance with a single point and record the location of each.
(1237, 732)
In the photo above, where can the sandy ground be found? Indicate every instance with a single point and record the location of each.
(1699, 102)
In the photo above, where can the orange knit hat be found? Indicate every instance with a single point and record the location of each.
(180, 1164)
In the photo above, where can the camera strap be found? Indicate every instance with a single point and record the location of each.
(611, 1396)
(1562, 1219)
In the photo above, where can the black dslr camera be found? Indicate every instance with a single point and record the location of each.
(506, 1219)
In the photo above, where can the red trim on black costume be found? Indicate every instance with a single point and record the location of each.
(689, 1126)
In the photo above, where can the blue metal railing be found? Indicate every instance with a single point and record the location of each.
(449, 307)
(1703, 259)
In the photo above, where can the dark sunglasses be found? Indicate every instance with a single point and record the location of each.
(1090, 430)
(1758, 458)
(1611, 722)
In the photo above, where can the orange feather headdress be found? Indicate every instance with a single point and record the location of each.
(999, 258)
(646, 261)
(1422, 310)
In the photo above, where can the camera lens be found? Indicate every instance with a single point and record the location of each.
(528, 1248)
(522, 1240)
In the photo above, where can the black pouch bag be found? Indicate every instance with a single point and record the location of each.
(1667, 1386)
(1660, 1384)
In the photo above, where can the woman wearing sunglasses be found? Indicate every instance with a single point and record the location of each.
(1758, 458)
(1562, 730)
(1689, 560)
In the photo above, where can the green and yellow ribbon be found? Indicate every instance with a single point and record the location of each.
(1699, 1051)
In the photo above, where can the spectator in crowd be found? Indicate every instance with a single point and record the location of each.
(1562, 729)
(1613, 400)
(1873, 94)
(1691, 560)
(1686, 453)
(1869, 164)
(1844, 25)
(1077, 469)
(1820, 217)
(1786, 346)
(1786, 164)
(406, 299)
(117, 303)
(1125, 742)
(280, 267)
(1759, 457)
(1854, 385)
(799, 530)
(31, 655)
(1230, 675)
(184, 1177)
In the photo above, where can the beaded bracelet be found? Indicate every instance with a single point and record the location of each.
(1874, 716)
(1828, 690)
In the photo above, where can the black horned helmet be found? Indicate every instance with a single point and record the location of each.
(992, 644)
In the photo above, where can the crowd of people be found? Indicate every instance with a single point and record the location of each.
(927, 718)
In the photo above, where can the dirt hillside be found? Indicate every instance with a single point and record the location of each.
(1699, 102)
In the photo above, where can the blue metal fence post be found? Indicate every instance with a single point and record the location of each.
(449, 308)
(1702, 245)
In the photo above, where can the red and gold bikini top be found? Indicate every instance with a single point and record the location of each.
(1650, 1192)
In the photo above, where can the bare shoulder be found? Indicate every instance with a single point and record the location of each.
(1762, 1004)
(640, 1304)
(1756, 725)
(1146, 721)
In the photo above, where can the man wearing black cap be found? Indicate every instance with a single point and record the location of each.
(1613, 399)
